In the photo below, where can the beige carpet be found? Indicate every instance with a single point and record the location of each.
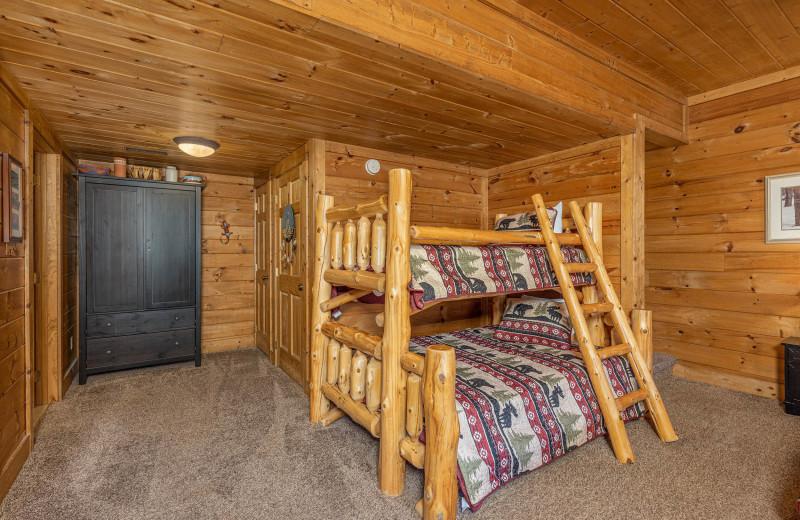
(231, 440)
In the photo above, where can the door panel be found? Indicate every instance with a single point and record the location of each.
(170, 249)
(113, 248)
(291, 295)
(263, 270)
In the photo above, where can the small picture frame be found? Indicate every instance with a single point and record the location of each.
(12, 199)
(782, 207)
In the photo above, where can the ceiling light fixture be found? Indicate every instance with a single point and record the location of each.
(196, 146)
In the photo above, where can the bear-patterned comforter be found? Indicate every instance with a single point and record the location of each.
(520, 406)
(442, 272)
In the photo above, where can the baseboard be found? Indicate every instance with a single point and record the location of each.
(728, 379)
(69, 376)
(14, 465)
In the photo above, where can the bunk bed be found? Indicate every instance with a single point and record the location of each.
(424, 398)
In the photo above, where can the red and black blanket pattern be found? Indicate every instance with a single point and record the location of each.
(521, 406)
(442, 272)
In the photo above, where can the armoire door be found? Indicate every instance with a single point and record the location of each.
(114, 255)
(170, 248)
(290, 302)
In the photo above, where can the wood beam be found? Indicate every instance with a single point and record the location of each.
(562, 82)
(632, 270)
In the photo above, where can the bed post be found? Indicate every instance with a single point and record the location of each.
(499, 301)
(396, 334)
(593, 213)
(320, 292)
(440, 491)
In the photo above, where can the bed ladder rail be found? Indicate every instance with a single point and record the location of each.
(610, 405)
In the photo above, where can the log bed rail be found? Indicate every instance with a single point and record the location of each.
(375, 379)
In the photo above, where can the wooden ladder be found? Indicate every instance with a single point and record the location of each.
(610, 405)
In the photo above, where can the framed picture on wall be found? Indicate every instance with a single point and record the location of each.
(782, 208)
(12, 199)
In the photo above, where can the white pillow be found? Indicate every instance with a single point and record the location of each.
(558, 225)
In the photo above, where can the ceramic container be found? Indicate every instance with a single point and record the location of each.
(94, 170)
(171, 174)
(120, 166)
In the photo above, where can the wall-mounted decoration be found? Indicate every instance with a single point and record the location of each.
(225, 237)
(782, 208)
(289, 242)
(12, 199)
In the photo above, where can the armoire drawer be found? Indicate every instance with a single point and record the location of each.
(122, 323)
(139, 348)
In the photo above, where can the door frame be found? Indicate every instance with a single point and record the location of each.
(45, 237)
(312, 154)
(263, 268)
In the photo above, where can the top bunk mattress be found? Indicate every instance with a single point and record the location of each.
(444, 272)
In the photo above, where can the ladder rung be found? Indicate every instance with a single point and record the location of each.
(632, 398)
(616, 350)
(597, 308)
(578, 267)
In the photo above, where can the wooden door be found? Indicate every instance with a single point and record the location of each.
(263, 270)
(170, 248)
(114, 257)
(290, 301)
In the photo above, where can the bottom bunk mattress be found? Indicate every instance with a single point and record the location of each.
(521, 406)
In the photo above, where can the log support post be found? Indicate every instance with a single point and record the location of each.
(440, 491)
(632, 218)
(320, 292)
(396, 334)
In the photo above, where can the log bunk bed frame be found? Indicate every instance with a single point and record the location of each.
(393, 392)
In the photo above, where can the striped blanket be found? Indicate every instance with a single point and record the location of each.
(520, 406)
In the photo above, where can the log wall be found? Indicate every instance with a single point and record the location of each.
(228, 281)
(443, 194)
(722, 298)
(584, 174)
(14, 434)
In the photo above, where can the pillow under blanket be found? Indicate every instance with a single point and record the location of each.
(537, 321)
(524, 221)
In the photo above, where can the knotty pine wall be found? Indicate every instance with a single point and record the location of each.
(228, 281)
(14, 439)
(443, 194)
(584, 174)
(722, 298)
(228, 278)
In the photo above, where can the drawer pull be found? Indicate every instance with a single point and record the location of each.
(108, 324)
(108, 352)
(177, 343)
(177, 318)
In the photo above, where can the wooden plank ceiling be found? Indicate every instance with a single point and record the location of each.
(488, 83)
(694, 45)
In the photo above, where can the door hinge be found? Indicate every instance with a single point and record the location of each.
(276, 200)
(256, 268)
(36, 278)
(255, 206)
(37, 179)
(37, 376)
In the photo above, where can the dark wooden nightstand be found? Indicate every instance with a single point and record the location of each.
(792, 382)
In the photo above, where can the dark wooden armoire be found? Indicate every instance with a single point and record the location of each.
(139, 256)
